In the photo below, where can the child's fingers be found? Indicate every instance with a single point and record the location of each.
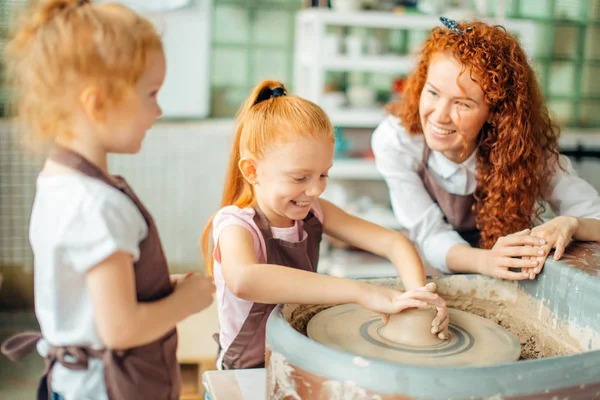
(439, 320)
(427, 297)
(404, 304)
(431, 287)
(176, 278)
(444, 335)
(385, 317)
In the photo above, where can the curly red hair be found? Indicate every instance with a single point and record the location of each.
(518, 143)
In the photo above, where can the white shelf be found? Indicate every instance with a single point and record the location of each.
(354, 168)
(389, 63)
(367, 118)
(389, 20)
(368, 19)
(570, 138)
(312, 61)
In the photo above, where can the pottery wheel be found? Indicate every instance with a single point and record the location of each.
(473, 340)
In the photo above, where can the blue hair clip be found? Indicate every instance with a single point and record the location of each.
(451, 24)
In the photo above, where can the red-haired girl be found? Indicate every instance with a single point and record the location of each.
(266, 237)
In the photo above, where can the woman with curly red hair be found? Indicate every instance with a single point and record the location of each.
(470, 153)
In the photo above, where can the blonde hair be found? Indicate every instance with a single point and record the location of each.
(64, 44)
(264, 120)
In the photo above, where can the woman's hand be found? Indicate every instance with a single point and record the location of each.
(517, 250)
(386, 301)
(558, 233)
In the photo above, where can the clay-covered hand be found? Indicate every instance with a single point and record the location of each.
(517, 250)
(386, 301)
(198, 290)
(558, 233)
(439, 325)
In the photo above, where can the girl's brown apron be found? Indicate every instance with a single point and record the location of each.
(458, 209)
(248, 348)
(150, 371)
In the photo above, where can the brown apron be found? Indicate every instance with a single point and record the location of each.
(150, 371)
(458, 209)
(248, 348)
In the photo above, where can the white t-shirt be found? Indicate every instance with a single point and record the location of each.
(76, 222)
(232, 310)
(398, 156)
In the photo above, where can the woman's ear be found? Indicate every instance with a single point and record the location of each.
(247, 166)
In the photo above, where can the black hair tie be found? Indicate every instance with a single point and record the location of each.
(267, 93)
(278, 91)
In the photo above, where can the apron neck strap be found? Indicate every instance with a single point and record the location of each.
(263, 223)
(426, 153)
(69, 158)
(265, 226)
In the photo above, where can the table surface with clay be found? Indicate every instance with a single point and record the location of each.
(241, 384)
(584, 256)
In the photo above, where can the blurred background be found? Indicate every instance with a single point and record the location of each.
(349, 56)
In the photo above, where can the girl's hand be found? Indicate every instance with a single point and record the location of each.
(198, 291)
(439, 325)
(517, 250)
(386, 301)
(558, 233)
(176, 278)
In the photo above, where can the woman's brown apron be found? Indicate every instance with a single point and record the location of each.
(248, 348)
(458, 209)
(150, 371)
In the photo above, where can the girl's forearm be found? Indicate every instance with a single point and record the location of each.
(146, 322)
(276, 284)
(407, 261)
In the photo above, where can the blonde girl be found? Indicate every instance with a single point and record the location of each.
(266, 235)
(87, 77)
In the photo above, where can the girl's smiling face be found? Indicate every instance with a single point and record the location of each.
(291, 176)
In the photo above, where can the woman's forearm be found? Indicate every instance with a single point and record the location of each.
(588, 229)
(463, 258)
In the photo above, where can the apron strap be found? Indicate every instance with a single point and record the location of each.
(19, 345)
(68, 157)
(72, 357)
(426, 153)
(263, 223)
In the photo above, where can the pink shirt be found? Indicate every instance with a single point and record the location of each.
(232, 310)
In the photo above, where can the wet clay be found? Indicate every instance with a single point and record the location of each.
(473, 341)
(537, 341)
(419, 334)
